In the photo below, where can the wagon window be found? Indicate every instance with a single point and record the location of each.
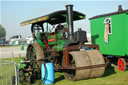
(107, 22)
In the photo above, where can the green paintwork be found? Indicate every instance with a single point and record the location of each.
(52, 37)
(21, 65)
(59, 35)
(59, 41)
(60, 44)
(39, 41)
(22, 48)
(51, 43)
(118, 40)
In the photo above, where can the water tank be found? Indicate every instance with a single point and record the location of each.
(47, 73)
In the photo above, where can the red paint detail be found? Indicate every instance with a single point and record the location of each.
(66, 57)
(51, 40)
(46, 43)
(120, 65)
(46, 47)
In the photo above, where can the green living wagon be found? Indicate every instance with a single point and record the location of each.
(110, 31)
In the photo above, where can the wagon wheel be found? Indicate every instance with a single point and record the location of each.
(34, 53)
(122, 66)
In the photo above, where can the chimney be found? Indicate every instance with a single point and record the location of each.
(120, 8)
(69, 9)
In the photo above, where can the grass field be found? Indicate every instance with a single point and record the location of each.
(111, 77)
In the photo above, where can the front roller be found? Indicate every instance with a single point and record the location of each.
(88, 64)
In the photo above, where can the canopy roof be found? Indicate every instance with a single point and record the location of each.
(55, 18)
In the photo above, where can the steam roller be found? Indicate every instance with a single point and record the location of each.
(56, 42)
(87, 63)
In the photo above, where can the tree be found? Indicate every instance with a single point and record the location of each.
(2, 32)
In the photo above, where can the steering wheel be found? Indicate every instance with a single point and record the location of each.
(36, 28)
(59, 28)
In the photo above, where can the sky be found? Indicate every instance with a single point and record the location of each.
(13, 12)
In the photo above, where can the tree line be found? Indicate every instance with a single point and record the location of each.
(2, 32)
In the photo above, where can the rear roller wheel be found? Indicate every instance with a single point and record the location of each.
(82, 59)
(122, 66)
(34, 53)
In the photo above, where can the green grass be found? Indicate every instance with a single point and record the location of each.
(6, 71)
(111, 77)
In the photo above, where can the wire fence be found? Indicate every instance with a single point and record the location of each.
(8, 73)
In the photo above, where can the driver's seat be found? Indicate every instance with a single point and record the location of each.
(43, 36)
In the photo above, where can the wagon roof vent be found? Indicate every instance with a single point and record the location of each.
(120, 8)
